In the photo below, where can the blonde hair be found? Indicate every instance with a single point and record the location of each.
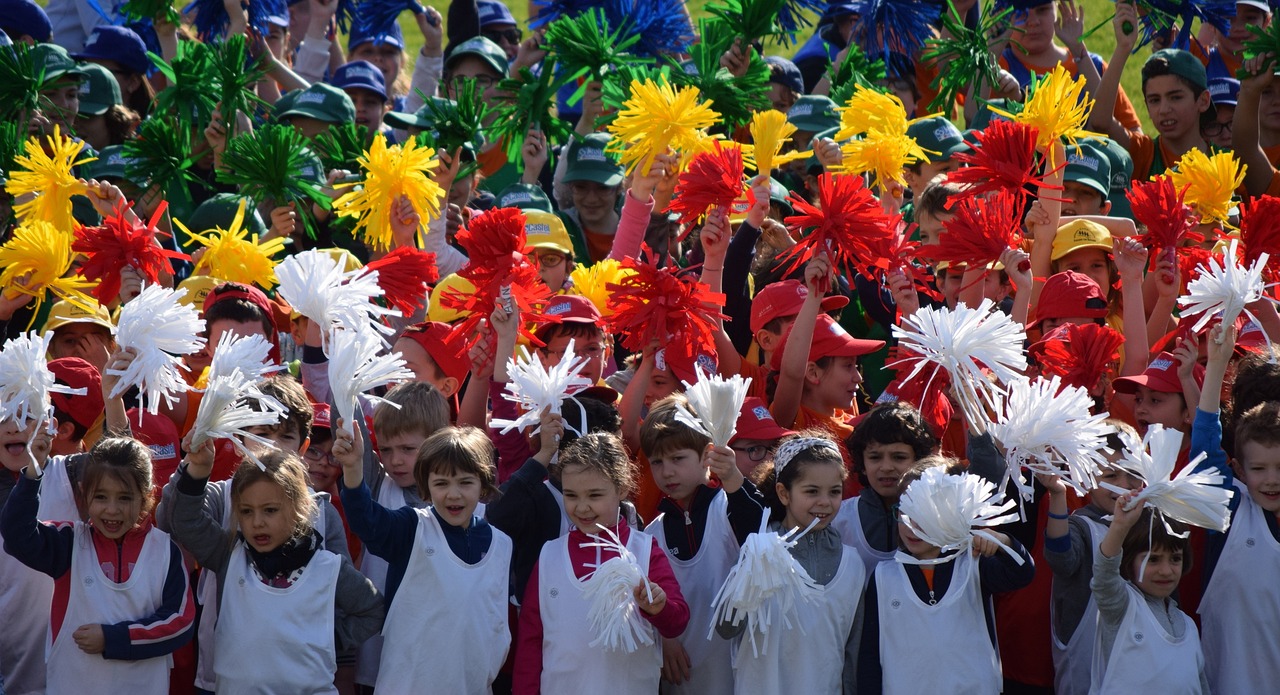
(282, 469)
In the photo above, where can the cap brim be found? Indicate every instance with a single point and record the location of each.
(764, 431)
(55, 324)
(604, 178)
(856, 347)
(1128, 385)
(604, 394)
(308, 113)
(405, 121)
(549, 246)
(832, 302)
(92, 109)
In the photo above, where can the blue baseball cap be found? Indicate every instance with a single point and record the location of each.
(25, 18)
(493, 12)
(1223, 91)
(118, 44)
(362, 35)
(785, 73)
(360, 74)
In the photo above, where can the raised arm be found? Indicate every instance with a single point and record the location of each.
(1102, 118)
(795, 357)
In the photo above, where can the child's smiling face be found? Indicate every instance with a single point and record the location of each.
(1260, 472)
(591, 499)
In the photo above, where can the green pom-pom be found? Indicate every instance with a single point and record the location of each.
(1264, 41)
(584, 45)
(856, 70)
(269, 164)
(191, 95)
(736, 99)
(530, 104)
(143, 10)
(160, 156)
(965, 57)
(237, 74)
(459, 123)
(21, 79)
(749, 19)
(341, 146)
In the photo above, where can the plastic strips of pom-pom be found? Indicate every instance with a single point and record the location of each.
(356, 364)
(948, 511)
(612, 611)
(535, 387)
(715, 403)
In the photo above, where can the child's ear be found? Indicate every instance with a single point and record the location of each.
(450, 386)
(767, 340)
(63, 431)
(1204, 101)
(784, 495)
(812, 374)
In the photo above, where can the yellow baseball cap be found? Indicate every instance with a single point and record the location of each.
(198, 287)
(436, 311)
(64, 312)
(543, 230)
(1080, 234)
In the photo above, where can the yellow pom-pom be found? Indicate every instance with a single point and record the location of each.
(1057, 108)
(391, 172)
(47, 175)
(1210, 182)
(869, 110)
(592, 282)
(770, 132)
(657, 116)
(236, 256)
(39, 255)
(882, 154)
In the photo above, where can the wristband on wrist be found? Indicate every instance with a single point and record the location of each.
(1059, 516)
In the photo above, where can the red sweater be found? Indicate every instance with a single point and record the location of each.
(670, 621)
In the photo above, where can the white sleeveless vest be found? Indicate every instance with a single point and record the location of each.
(25, 595)
(565, 525)
(94, 598)
(272, 640)
(700, 577)
(57, 497)
(849, 524)
(809, 657)
(1145, 658)
(460, 610)
(569, 663)
(1073, 661)
(940, 648)
(375, 568)
(1240, 610)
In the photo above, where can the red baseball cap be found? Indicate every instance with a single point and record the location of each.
(681, 360)
(433, 337)
(1160, 375)
(78, 374)
(756, 422)
(571, 308)
(784, 299)
(1070, 295)
(830, 340)
(255, 296)
(320, 418)
(161, 437)
(1251, 338)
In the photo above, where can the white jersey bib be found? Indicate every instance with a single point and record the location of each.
(1146, 659)
(272, 640)
(25, 595)
(1240, 611)
(565, 525)
(1073, 661)
(849, 524)
(375, 568)
(939, 648)
(94, 598)
(700, 577)
(460, 610)
(57, 497)
(809, 657)
(569, 663)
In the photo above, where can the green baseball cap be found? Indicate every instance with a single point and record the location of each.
(323, 102)
(482, 48)
(985, 115)
(219, 211)
(427, 117)
(937, 134)
(813, 114)
(1121, 174)
(58, 64)
(1183, 64)
(1087, 165)
(313, 169)
(99, 92)
(284, 103)
(779, 194)
(589, 160)
(526, 196)
(110, 164)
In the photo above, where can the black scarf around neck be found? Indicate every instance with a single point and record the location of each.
(283, 561)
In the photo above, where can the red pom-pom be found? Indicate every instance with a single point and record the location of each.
(713, 180)
(1158, 206)
(1260, 232)
(927, 391)
(495, 244)
(403, 275)
(121, 242)
(1190, 259)
(1081, 355)
(981, 230)
(656, 304)
(848, 223)
(1003, 160)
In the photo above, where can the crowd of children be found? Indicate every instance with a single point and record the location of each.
(571, 201)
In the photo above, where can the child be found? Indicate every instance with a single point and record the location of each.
(553, 651)
(1144, 642)
(121, 601)
(22, 642)
(1071, 541)
(937, 606)
(460, 608)
(1162, 393)
(700, 528)
(816, 653)
(756, 435)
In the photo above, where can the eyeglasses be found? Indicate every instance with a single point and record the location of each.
(1215, 129)
(756, 452)
(550, 260)
(497, 36)
(483, 82)
(314, 455)
(586, 188)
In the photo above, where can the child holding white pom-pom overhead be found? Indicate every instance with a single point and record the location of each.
(578, 636)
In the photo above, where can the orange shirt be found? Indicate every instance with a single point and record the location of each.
(1124, 111)
(598, 245)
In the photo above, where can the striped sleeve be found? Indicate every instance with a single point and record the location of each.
(165, 630)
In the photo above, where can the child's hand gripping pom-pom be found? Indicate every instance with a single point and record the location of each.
(764, 586)
(390, 172)
(1046, 428)
(966, 343)
(159, 328)
(610, 593)
(1196, 498)
(356, 364)
(232, 401)
(535, 388)
(949, 511)
(715, 402)
(1224, 289)
(316, 286)
(26, 382)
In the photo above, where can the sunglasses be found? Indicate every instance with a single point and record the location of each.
(510, 35)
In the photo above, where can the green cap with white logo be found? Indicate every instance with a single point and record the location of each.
(323, 102)
(589, 160)
(939, 137)
(99, 91)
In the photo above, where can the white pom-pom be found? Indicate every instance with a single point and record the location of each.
(1047, 428)
(716, 402)
(232, 404)
(765, 585)
(248, 354)
(1196, 498)
(25, 379)
(356, 364)
(1224, 289)
(159, 328)
(612, 611)
(315, 285)
(535, 388)
(964, 342)
(948, 511)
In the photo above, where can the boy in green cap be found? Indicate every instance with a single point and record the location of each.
(60, 97)
(317, 107)
(103, 119)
